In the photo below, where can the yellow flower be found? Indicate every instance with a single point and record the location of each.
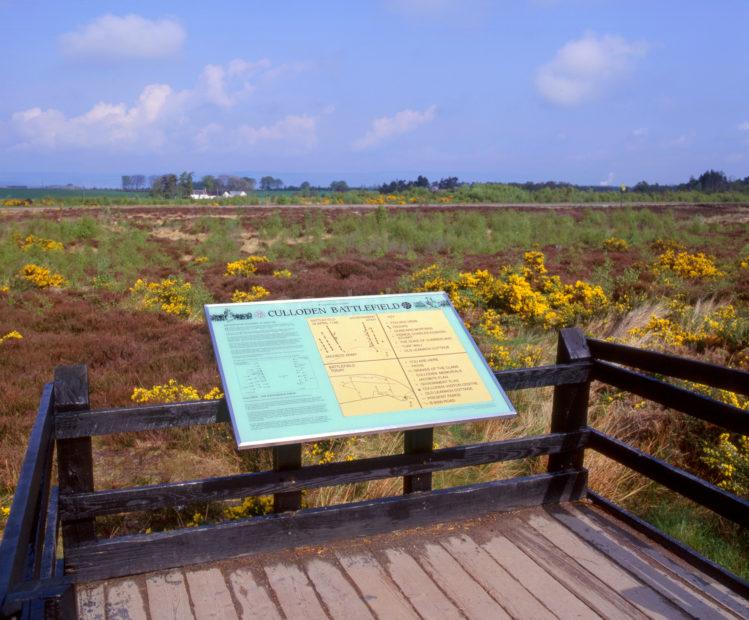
(615, 244)
(244, 266)
(41, 277)
(254, 294)
(282, 273)
(30, 241)
(13, 335)
(692, 266)
(172, 392)
(171, 295)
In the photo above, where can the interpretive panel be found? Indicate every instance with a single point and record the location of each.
(308, 369)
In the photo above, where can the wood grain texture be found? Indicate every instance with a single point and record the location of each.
(168, 598)
(340, 597)
(420, 590)
(470, 596)
(378, 590)
(264, 483)
(569, 410)
(210, 595)
(143, 552)
(716, 499)
(154, 417)
(21, 525)
(674, 397)
(254, 600)
(638, 593)
(731, 379)
(287, 458)
(294, 592)
(419, 441)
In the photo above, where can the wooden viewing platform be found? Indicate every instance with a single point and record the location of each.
(535, 546)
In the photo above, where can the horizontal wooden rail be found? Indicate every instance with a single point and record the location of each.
(128, 555)
(713, 375)
(675, 397)
(267, 482)
(25, 513)
(736, 583)
(154, 417)
(690, 486)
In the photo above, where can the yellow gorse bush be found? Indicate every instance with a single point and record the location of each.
(171, 295)
(692, 266)
(244, 266)
(615, 244)
(729, 459)
(32, 241)
(41, 277)
(12, 335)
(254, 294)
(528, 294)
(282, 273)
(172, 392)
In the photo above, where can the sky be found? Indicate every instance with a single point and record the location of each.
(597, 92)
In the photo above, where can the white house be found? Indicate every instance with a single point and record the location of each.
(233, 194)
(201, 194)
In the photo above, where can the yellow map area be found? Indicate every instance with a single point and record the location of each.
(396, 362)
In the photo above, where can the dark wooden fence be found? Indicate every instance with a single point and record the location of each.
(33, 579)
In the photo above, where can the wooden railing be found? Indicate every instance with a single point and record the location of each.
(33, 579)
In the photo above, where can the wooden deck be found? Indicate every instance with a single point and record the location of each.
(563, 561)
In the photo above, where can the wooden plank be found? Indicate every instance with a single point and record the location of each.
(552, 594)
(447, 573)
(731, 585)
(713, 497)
(91, 602)
(569, 410)
(598, 595)
(20, 524)
(543, 376)
(689, 600)
(49, 552)
(419, 441)
(512, 595)
(294, 592)
(142, 418)
(340, 597)
(641, 595)
(146, 552)
(167, 596)
(420, 590)
(125, 601)
(674, 397)
(209, 594)
(731, 379)
(265, 483)
(154, 417)
(253, 598)
(287, 458)
(75, 464)
(378, 590)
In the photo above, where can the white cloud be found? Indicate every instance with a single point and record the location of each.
(387, 127)
(640, 132)
(299, 131)
(608, 180)
(121, 37)
(105, 124)
(161, 112)
(582, 68)
(744, 126)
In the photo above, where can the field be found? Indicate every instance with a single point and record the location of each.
(122, 290)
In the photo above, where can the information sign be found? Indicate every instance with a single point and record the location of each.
(309, 369)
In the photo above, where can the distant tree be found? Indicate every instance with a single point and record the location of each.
(269, 183)
(305, 186)
(339, 186)
(448, 183)
(713, 181)
(154, 178)
(127, 183)
(164, 186)
(138, 182)
(185, 184)
(421, 181)
(209, 183)
(250, 183)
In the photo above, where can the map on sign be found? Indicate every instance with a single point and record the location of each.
(306, 369)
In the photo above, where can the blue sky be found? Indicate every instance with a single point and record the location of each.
(588, 91)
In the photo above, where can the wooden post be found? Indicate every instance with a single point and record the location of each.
(75, 467)
(569, 411)
(419, 441)
(286, 458)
